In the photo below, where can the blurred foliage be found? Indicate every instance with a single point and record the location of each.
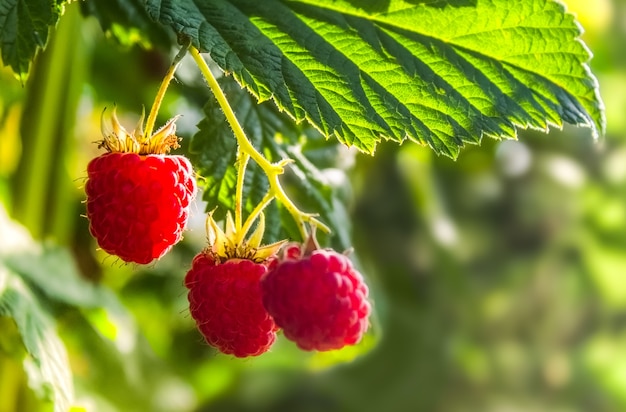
(497, 279)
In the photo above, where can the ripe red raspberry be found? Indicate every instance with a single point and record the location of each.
(319, 300)
(138, 206)
(225, 301)
(138, 196)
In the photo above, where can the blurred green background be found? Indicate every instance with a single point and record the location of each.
(497, 279)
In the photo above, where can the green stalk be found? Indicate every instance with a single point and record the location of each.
(62, 218)
(273, 171)
(158, 100)
(45, 129)
(10, 388)
(242, 163)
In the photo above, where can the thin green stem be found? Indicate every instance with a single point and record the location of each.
(41, 187)
(271, 170)
(240, 135)
(242, 163)
(156, 105)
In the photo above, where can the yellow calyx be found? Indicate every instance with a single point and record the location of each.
(232, 245)
(117, 139)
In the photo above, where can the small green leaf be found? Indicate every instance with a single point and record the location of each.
(440, 73)
(48, 269)
(24, 29)
(53, 271)
(47, 365)
(315, 192)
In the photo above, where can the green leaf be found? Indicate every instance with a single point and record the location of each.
(24, 28)
(126, 21)
(440, 73)
(48, 269)
(47, 365)
(313, 190)
(34, 280)
(52, 270)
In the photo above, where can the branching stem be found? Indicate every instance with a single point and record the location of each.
(272, 170)
(156, 105)
(242, 163)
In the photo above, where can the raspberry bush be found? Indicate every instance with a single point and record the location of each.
(291, 86)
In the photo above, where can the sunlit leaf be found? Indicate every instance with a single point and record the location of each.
(53, 271)
(47, 268)
(440, 73)
(46, 364)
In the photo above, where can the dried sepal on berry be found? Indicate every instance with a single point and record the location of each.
(138, 196)
(117, 139)
(233, 244)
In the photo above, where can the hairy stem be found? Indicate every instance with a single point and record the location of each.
(156, 105)
(242, 140)
(242, 163)
(272, 170)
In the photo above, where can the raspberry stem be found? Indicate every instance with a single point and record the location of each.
(156, 105)
(272, 170)
(242, 163)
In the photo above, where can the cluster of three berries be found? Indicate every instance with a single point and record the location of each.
(138, 207)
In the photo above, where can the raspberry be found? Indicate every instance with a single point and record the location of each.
(319, 300)
(225, 301)
(137, 205)
(138, 196)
